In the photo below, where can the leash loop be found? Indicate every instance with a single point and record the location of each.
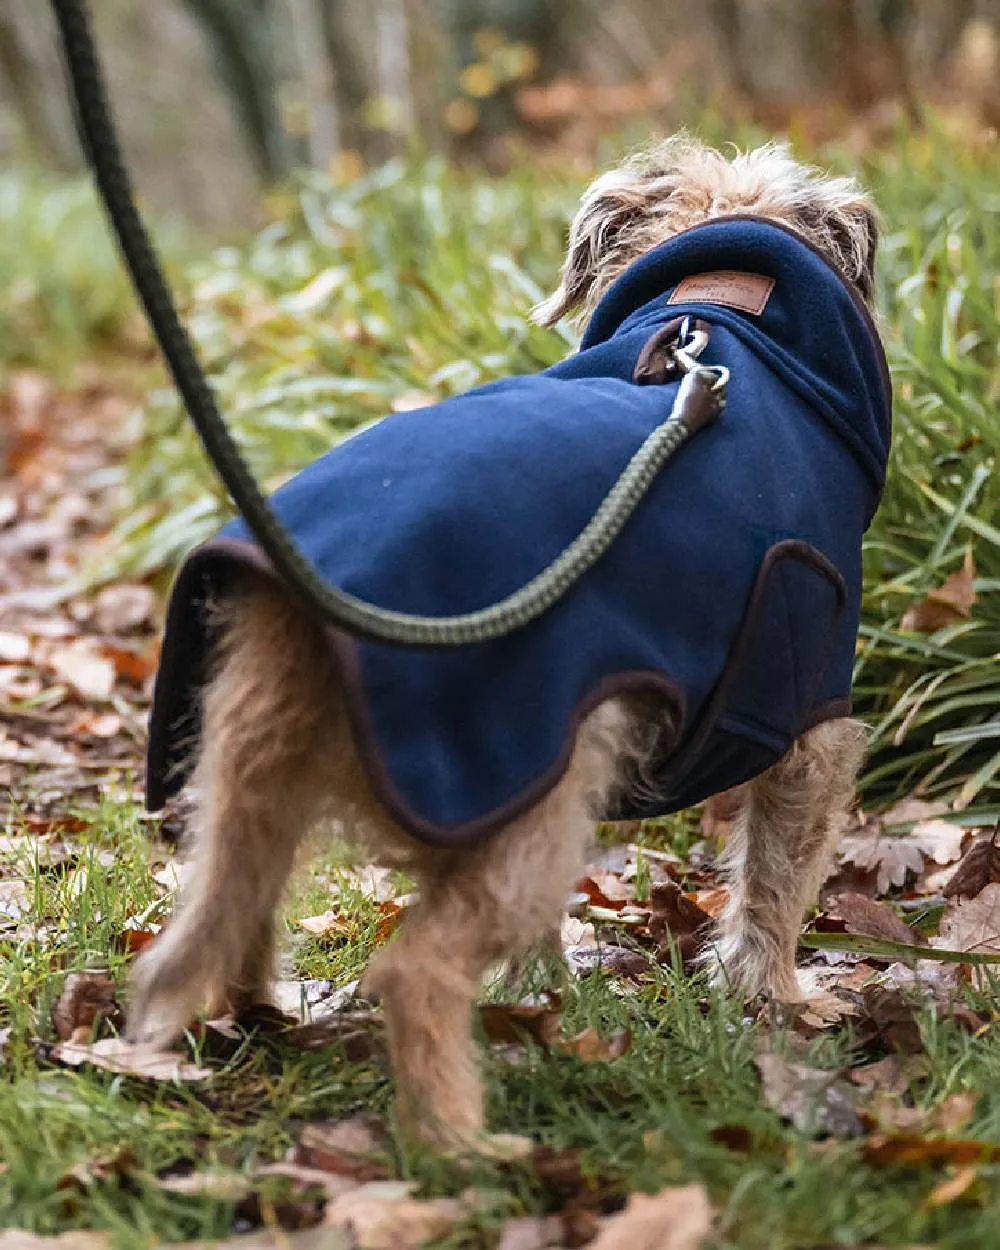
(700, 398)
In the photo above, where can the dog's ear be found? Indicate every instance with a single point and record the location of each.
(606, 217)
(848, 221)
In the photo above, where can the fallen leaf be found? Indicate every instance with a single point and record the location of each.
(973, 925)
(328, 924)
(90, 674)
(948, 604)
(590, 1047)
(14, 648)
(868, 916)
(86, 998)
(890, 1019)
(130, 1059)
(916, 1150)
(615, 960)
(124, 607)
(382, 1215)
(939, 840)
(350, 1148)
(605, 889)
(815, 1101)
(223, 1186)
(887, 1076)
(821, 1011)
(134, 664)
(677, 1218)
(504, 1023)
(532, 1232)
(891, 857)
(953, 1188)
(678, 918)
(979, 867)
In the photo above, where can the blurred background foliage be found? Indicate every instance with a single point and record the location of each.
(393, 181)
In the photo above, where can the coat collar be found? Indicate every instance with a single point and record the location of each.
(814, 328)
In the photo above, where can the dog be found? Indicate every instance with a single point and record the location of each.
(483, 771)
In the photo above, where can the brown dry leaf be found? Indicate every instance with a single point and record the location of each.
(973, 925)
(91, 674)
(592, 1048)
(86, 998)
(676, 916)
(891, 1020)
(953, 1188)
(383, 1215)
(302, 1180)
(815, 1101)
(224, 1186)
(949, 604)
(506, 1023)
(940, 840)
(134, 664)
(885, 1077)
(605, 889)
(978, 868)
(123, 607)
(532, 1232)
(892, 858)
(713, 901)
(389, 915)
(141, 1060)
(823, 1011)
(350, 1148)
(677, 1218)
(358, 1033)
(327, 924)
(871, 918)
(916, 1150)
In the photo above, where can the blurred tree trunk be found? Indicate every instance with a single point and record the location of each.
(346, 25)
(27, 87)
(393, 70)
(316, 75)
(242, 33)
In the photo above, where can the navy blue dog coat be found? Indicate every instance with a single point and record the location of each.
(731, 596)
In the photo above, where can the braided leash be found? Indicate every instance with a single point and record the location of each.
(699, 400)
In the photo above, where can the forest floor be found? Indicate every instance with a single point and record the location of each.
(662, 1114)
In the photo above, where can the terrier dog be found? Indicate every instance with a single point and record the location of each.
(711, 646)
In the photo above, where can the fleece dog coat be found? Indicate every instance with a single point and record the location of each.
(731, 596)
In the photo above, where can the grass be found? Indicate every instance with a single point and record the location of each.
(660, 1115)
(64, 298)
(357, 298)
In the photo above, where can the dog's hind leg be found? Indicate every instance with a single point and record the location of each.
(777, 855)
(492, 901)
(258, 786)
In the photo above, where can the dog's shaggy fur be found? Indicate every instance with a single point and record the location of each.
(277, 756)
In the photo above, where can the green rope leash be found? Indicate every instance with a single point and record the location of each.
(700, 399)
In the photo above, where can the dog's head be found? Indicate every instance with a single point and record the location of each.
(679, 183)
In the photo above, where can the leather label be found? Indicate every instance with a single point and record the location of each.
(749, 292)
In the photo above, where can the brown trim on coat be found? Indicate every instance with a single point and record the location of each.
(787, 549)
